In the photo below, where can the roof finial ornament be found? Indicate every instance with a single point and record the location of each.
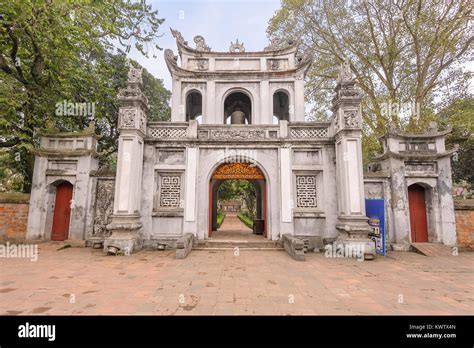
(237, 46)
(273, 45)
(201, 44)
(134, 74)
(345, 73)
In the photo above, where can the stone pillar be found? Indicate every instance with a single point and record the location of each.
(266, 103)
(178, 113)
(192, 155)
(126, 224)
(352, 221)
(209, 99)
(285, 187)
(297, 109)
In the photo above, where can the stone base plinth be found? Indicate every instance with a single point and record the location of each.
(356, 248)
(354, 237)
(124, 238)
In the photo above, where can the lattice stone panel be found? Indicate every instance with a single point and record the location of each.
(169, 132)
(306, 191)
(307, 132)
(170, 189)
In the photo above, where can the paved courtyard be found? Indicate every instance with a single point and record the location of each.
(85, 281)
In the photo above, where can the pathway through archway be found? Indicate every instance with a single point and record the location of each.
(234, 229)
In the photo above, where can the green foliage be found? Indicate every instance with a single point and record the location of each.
(55, 51)
(460, 116)
(220, 218)
(239, 189)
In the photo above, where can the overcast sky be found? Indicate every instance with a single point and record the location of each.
(219, 21)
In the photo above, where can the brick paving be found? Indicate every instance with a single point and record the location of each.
(86, 282)
(234, 229)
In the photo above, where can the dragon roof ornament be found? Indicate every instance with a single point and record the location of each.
(201, 44)
(177, 35)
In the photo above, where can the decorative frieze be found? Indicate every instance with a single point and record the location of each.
(198, 64)
(420, 167)
(277, 64)
(237, 134)
(238, 170)
(417, 146)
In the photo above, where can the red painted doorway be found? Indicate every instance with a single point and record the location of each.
(62, 212)
(417, 205)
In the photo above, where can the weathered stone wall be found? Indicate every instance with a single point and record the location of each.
(464, 212)
(13, 216)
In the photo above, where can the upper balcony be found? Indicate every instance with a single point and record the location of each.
(320, 132)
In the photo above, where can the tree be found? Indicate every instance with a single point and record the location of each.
(402, 52)
(460, 116)
(54, 51)
(239, 189)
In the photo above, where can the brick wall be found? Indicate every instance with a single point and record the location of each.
(13, 216)
(464, 211)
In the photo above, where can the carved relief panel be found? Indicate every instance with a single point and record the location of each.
(104, 206)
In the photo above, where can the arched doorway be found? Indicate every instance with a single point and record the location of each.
(238, 171)
(62, 212)
(238, 101)
(417, 206)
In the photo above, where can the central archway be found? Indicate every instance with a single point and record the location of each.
(237, 101)
(238, 171)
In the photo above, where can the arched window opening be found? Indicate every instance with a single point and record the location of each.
(237, 109)
(281, 106)
(193, 106)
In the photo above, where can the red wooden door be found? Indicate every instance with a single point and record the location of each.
(418, 224)
(62, 212)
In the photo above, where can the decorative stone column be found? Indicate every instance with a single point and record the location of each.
(352, 221)
(125, 225)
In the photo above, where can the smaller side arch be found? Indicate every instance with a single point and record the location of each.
(194, 104)
(281, 104)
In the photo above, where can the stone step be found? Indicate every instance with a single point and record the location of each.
(241, 244)
(432, 249)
